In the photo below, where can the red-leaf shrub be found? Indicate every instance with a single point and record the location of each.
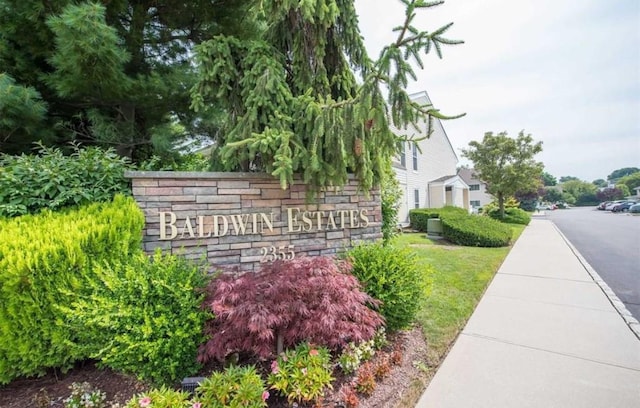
(307, 299)
(365, 381)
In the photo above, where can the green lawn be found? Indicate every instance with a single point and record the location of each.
(458, 278)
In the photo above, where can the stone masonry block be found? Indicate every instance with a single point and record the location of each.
(239, 191)
(335, 235)
(174, 183)
(164, 191)
(172, 198)
(233, 184)
(268, 193)
(200, 190)
(184, 207)
(217, 199)
(144, 183)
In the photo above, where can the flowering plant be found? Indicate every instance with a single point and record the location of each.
(83, 395)
(160, 398)
(355, 354)
(235, 387)
(301, 374)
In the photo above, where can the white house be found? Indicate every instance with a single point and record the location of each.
(427, 175)
(478, 195)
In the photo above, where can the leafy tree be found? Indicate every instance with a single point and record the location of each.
(507, 165)
(552, 195)
(391, 194)
(113, 73)
(610, 194)
(568, 198)
(624, 190)
(527, 199)
(293, 100)
(548, 179)
(631, 181)
(616, 174)
(564, 179)
(599, 182)
(582, 192)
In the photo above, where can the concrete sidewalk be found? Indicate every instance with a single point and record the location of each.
(544, 335)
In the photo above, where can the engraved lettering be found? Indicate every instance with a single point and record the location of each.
(201, 227)
(353, 220)
(319, 216)
(331, 222)
(170, 224)
(187, 228)
(268, 221)
(240, 222)
(293, 220)
(342, 215)
(308, 224)
(365, 218)
(216, 226)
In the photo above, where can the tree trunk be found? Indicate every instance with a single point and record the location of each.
(501, 205)
(280, 343)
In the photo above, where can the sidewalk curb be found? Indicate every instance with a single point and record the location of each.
(622, 310)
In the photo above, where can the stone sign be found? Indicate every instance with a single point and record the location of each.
(239, 220)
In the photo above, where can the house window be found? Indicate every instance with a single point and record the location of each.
(474, 187)
(415, 156)
(403, 154)
(416, 198)
(475, 203)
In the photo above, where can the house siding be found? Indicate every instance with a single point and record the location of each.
(436, 159)
(480, 195)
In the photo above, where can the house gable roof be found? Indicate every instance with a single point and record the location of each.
(422, 98)
(449, 180)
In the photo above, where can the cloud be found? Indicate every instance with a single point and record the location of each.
(568, 72)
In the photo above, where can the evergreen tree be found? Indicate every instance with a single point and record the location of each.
(114, 73)
(507, 165)
(548, 179)
(616, 174)
(293, 100)
(22, 113)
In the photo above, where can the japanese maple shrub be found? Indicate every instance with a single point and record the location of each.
(285, 303)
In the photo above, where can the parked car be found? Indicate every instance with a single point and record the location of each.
(612, 204)
(623, 206)
(546, 206)
(634, 208)
(602, 205)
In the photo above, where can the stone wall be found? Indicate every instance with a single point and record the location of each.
(239, 220)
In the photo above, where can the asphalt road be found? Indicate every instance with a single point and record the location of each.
(610, 242)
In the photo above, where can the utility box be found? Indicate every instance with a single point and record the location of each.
(434, 226)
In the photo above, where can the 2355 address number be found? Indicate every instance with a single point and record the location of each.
(271, 254)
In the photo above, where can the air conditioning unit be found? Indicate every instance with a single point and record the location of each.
(434, 226)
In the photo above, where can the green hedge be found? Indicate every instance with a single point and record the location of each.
(475, 230)
(460, 227)
(419, 217)
(46, 260)
(52, 180)
(391, 275)
(144, 317)
(511, 216)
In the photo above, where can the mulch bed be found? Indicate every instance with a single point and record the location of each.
(51, 389)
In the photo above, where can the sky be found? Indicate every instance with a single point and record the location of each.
(565, 71)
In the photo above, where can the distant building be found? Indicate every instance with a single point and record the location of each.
(427, 171)
(478, 196)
